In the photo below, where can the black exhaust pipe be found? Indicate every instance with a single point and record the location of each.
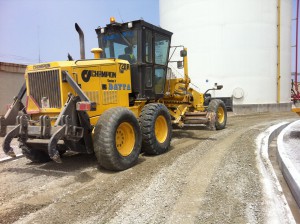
(81, 40)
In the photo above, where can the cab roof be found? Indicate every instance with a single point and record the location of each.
(136, 24)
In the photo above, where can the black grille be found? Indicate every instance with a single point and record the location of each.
(45, 84)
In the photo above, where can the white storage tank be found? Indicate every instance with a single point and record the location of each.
(234, 43)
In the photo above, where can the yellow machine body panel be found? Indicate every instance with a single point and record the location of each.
(107, 82)
(296, 110)
(180, 98)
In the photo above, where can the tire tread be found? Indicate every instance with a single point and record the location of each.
(213, 107)
(104, 139)
(147, 120)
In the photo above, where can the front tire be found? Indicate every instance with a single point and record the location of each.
(219, 109)
(117, 139)
(155, 122)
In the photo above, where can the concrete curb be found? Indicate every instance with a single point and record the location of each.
(290, 173)
(278, 210)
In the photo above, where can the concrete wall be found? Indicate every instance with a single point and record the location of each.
(261, 108)
(11, 80)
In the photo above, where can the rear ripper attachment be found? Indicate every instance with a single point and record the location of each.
(72, 126)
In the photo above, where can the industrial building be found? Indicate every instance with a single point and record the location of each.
(12, 78)
(243, 45)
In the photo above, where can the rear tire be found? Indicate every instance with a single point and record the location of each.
(155, 122)
(117, 139)
(218, 107)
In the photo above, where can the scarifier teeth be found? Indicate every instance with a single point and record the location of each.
(56, 158)
(11, 153)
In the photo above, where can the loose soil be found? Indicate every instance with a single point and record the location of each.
(205, 177)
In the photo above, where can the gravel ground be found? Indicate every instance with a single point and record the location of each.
(14, 144)
(206, 177)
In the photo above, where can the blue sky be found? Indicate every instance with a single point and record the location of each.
(38, 27)
(33, 30)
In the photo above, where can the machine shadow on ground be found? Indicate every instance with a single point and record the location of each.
(76, 162)
(72, 162)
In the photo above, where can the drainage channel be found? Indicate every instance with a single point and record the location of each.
(286, 190)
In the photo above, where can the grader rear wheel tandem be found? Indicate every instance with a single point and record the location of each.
(118, 136)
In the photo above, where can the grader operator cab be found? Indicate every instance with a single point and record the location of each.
(146, 48)
(114, 105)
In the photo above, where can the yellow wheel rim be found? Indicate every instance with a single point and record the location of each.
(125, 139)
(161, 129)
(221, 115)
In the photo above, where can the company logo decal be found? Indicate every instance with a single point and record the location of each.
(87, 74)
(123, 67)
(118, 86)
(42, 66)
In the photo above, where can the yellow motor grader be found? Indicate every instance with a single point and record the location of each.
(122, 101)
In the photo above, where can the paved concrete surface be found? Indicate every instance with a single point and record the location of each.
(276, 200)
(288, 143)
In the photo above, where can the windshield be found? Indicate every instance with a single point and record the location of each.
(122, 45)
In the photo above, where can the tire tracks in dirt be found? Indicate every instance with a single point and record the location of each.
(192, 182)
(199, 177)
(105, 191)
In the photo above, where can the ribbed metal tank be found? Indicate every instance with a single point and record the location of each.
(234, 43)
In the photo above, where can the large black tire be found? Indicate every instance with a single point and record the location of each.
(155, 122)
(117, 139)
(218, 107)
(35, 155)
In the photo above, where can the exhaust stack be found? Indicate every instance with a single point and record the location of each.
(81, 40)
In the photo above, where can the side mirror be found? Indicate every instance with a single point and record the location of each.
(179, 64)
(183, 53)
(219, 87)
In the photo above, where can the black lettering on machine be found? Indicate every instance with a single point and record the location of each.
(87, 74)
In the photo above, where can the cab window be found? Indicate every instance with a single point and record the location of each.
(161, 49)
(121, 45)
